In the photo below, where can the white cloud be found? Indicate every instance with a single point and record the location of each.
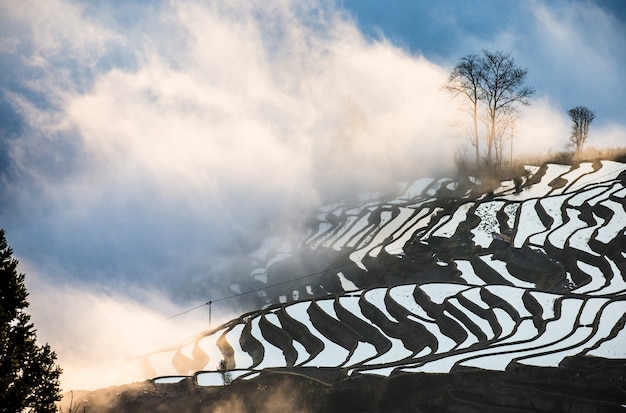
(611, 135)
(248, 113)
(250, 107)
(542, 127)
(58, 39)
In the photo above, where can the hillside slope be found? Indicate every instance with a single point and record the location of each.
(523, 285)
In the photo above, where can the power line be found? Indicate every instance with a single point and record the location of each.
(259, 289)
(188, 311)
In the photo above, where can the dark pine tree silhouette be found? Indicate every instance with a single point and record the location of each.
(29, 377)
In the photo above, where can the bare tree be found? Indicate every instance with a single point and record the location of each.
(495, 83)
(581, 119)
(502, 88)
(465, 81)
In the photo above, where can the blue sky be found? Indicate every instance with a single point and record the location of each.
(574, 50)
(144, 145)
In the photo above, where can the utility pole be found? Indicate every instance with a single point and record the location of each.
(210, 303)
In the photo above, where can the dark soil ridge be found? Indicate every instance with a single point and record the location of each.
(579, 384)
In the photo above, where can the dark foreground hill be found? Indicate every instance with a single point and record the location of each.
(580, 384)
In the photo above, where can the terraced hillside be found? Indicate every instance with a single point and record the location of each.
(439, 279)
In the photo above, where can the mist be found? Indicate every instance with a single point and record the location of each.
(147, 148)
(100, 336)
(148, 159)
(247, 115)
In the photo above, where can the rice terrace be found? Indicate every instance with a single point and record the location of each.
(521, 284)
(250, 206)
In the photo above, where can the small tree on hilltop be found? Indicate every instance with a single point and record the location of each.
(581, 119)
(29, 377)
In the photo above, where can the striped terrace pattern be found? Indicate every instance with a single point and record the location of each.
(573, 216)
(432, 327)
(532, 277)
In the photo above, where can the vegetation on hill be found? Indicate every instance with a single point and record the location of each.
(491, 177)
